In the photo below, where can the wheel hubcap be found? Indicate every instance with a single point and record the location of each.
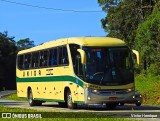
(30, 98)
(69, 100)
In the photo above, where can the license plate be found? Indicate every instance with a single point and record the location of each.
(113, 98)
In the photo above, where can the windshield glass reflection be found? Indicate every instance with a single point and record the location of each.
(108, 66)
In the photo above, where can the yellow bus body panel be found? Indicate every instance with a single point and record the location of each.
(51, 87)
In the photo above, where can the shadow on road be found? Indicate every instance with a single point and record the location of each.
(53, 105)
(12, 103)
(103, 107)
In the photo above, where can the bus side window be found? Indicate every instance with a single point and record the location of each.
(35, 59)
(53, 57)
(41, 58)
(45, 58)
(60, 55)
(65, 56)
(27, 61)
(20, 62)
(77, 66)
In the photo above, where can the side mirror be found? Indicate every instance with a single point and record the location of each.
(83, 56)
(137, 55)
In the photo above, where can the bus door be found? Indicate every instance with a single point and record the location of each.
(79, 72)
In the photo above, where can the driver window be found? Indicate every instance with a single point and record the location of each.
(78, 66)
(76, 60)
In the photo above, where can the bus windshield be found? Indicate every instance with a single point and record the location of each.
(108, 66)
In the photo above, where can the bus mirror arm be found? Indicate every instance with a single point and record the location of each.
(137, 55)
(83, 56)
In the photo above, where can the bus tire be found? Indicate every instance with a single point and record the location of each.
(38, 103)
(70, 104)
(138, 104)
(62, 104)
(30, 98)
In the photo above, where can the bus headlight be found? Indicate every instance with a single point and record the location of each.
(89, 98)
(93, 91)
(130, 90)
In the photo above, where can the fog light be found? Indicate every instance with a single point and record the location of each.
(140, 95)
(95, 91)
(89, 98)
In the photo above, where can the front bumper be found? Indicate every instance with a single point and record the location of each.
(109, 96)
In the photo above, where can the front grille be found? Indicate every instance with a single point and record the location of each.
(112, 91)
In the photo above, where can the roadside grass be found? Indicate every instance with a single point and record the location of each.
(15, 97)
(149, 87)
(58, 116)
(74, 119)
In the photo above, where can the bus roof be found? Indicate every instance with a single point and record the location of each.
(83, 41)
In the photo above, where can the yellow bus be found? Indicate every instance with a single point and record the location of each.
(71, 71)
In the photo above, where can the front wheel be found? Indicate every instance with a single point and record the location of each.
(70, 104)
(138, 104)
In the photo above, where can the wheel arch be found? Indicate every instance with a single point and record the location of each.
(65, 92)
(28, 89)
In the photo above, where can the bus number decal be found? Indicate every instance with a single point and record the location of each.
(39, 72)
(34, 73)
(23, 74)
(49, 71)
(27, 73)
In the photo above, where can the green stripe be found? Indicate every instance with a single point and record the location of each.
(51, 79)
(79, 102)
(49, 100)
(56, 100)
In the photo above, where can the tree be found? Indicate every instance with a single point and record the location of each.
(25, 44)
(7, 45)
(8, 52)
(148, 38)
(123, 17)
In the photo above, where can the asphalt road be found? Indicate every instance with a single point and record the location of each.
(54, 107)
(5, 93)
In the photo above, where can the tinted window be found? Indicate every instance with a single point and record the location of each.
(63, 55)
(44, 58)
(46, 54)
(27, 61)
(35, 60)
(53, 59)
(20, 62)
(76, 60)
(60, 57)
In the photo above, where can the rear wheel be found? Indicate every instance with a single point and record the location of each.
(62, 104)
(70, 104)
(121, 104)
(31, 101)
